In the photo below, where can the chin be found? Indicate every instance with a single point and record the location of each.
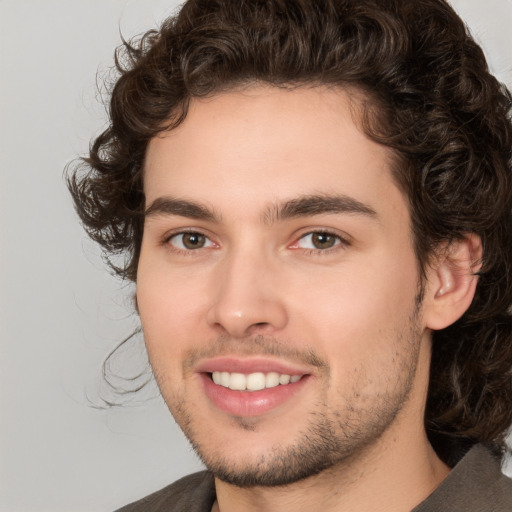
(252, 458)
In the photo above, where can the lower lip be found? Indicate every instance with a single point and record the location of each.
(250, 403)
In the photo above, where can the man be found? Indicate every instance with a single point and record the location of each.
(315, 203)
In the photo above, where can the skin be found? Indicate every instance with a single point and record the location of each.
(257, 288)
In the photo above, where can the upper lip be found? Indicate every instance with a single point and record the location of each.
(249, 365)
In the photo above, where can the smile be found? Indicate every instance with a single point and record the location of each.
(251, 386)
(254, 381)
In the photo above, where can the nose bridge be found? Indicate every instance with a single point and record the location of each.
(246, 298)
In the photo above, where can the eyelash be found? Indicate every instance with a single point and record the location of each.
(340, 242)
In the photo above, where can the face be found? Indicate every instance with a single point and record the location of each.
(277, 285)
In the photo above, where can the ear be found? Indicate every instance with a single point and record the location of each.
(451, 282)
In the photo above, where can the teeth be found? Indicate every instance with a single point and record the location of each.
(253, 381)
(256, 381)
(284, 379)
(238, 382)
(224, 379)
(272, 380)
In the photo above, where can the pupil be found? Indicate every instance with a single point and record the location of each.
(193, 240)
(323, 240)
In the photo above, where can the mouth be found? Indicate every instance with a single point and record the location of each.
(253, 381)
(251, 387)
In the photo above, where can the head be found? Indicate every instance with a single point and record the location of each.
(418, 88)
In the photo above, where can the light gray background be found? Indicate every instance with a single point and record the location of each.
(60, 312)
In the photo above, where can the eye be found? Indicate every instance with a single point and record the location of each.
(190, 241)
(319, 240)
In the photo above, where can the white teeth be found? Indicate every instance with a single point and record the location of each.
(224, 379)
(272, 380)
(284, 379)
(256, 381)
(238, 382)
(253, 381)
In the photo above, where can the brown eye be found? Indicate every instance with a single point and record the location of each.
(190, 241)
(193, 240)
(323, 240)
(319, 240)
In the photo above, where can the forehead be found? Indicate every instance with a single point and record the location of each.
(264, 144)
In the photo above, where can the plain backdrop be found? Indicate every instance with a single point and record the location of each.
(60, 311)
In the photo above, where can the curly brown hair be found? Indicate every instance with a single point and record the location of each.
(430, 97)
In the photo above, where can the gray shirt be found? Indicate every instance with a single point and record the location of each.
(475, 484)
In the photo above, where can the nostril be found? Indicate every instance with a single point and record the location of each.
(259, 328)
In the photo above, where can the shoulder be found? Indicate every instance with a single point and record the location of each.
(476, 483)
(193, 493)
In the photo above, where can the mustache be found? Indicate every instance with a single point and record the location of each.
(259, 345)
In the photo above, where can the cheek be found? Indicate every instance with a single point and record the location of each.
(169, 308)
(357, 307)
(364, 331)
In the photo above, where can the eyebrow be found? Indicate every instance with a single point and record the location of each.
(317, 204)
(304, 206)
(182, 208)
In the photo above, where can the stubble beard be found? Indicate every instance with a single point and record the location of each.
(331, 437)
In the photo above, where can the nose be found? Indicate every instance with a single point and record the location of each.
(247, 298)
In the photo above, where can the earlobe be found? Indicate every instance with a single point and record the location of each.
(452, 282)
